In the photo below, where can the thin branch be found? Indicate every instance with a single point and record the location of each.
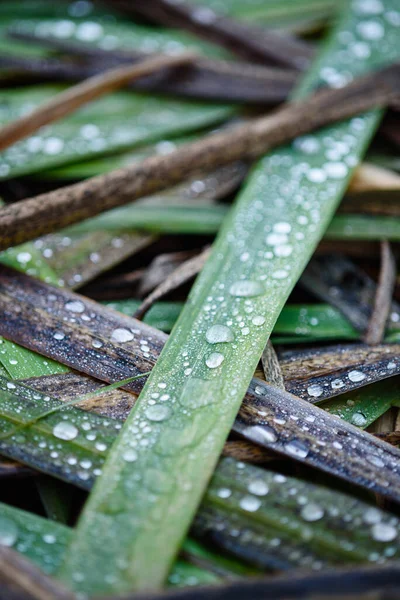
(182, 274)
(22, 576)
(243, 39)
(383, 298)
(74, 97)
(42, 214)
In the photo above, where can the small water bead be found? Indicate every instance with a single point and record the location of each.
(122, 335)
(274, 239)
(262, 434)
(89, 31)
(258, 320)
(371, 30)
(224, 493)
(258, 487)
(8, 532)
(214, 360)
(130, 455)
(97, 344)
(24, 257)
(65, 431)
(219, 334)
(246, 288)
(279, 274)
(356, 376)
(49, 538)
(336, 384)
(372, 516)
(53, 145)
(282, 227)
(59, 335)
(312, 512)
(316, 176)
(75, 306)
(11, 386)
(335, 170)
(158, 412)
(359, 419)
(382, 532)
(297, 448)
(315, 390)
(250, 503)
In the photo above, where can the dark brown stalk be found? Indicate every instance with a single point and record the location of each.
(67, 102)
(42, 214)
(205, 79)
(316, 374)
(248, 41)
(271, 367)
(340, 282)
(33, 312)
(383, 297)
(20, 575)
(182, 274)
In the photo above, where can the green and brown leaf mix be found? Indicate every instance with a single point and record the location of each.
(199, 299)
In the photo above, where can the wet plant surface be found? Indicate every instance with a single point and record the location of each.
(200, 386)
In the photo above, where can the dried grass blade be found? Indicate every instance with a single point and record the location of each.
(182, 274)
(383, 297)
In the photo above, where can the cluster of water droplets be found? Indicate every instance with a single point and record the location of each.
(295, 517)
(71, 442)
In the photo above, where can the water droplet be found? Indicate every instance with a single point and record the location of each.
(358, 419)
(371, 30)
(382, 532)
(312, 512)
(49, 538)
(122, 335)
(65, 431)
(158, 412)
(262, 434)
(224, 493)
(214, 360)
(336, 384)
(218, 334)
(250, 503)
(258, 487)
(279, 274)
(282, 227)
(97, 344)
(75, 306)
(8, 532)
(258, 320)
(316, 175)
(59, 335)
(335, 170)
(11, 386)
(297, 448)
(356, 376)
(372, 516)
(130, 455)
(315, 390)
(24, 257)
(246, 288)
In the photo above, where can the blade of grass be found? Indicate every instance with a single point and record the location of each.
(189, 219)
(181, 450)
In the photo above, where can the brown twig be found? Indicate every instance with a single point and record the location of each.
(67, 102)
(383, 297)
(42, 214)
(23, 577)
(186, 271)
(243, 39)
